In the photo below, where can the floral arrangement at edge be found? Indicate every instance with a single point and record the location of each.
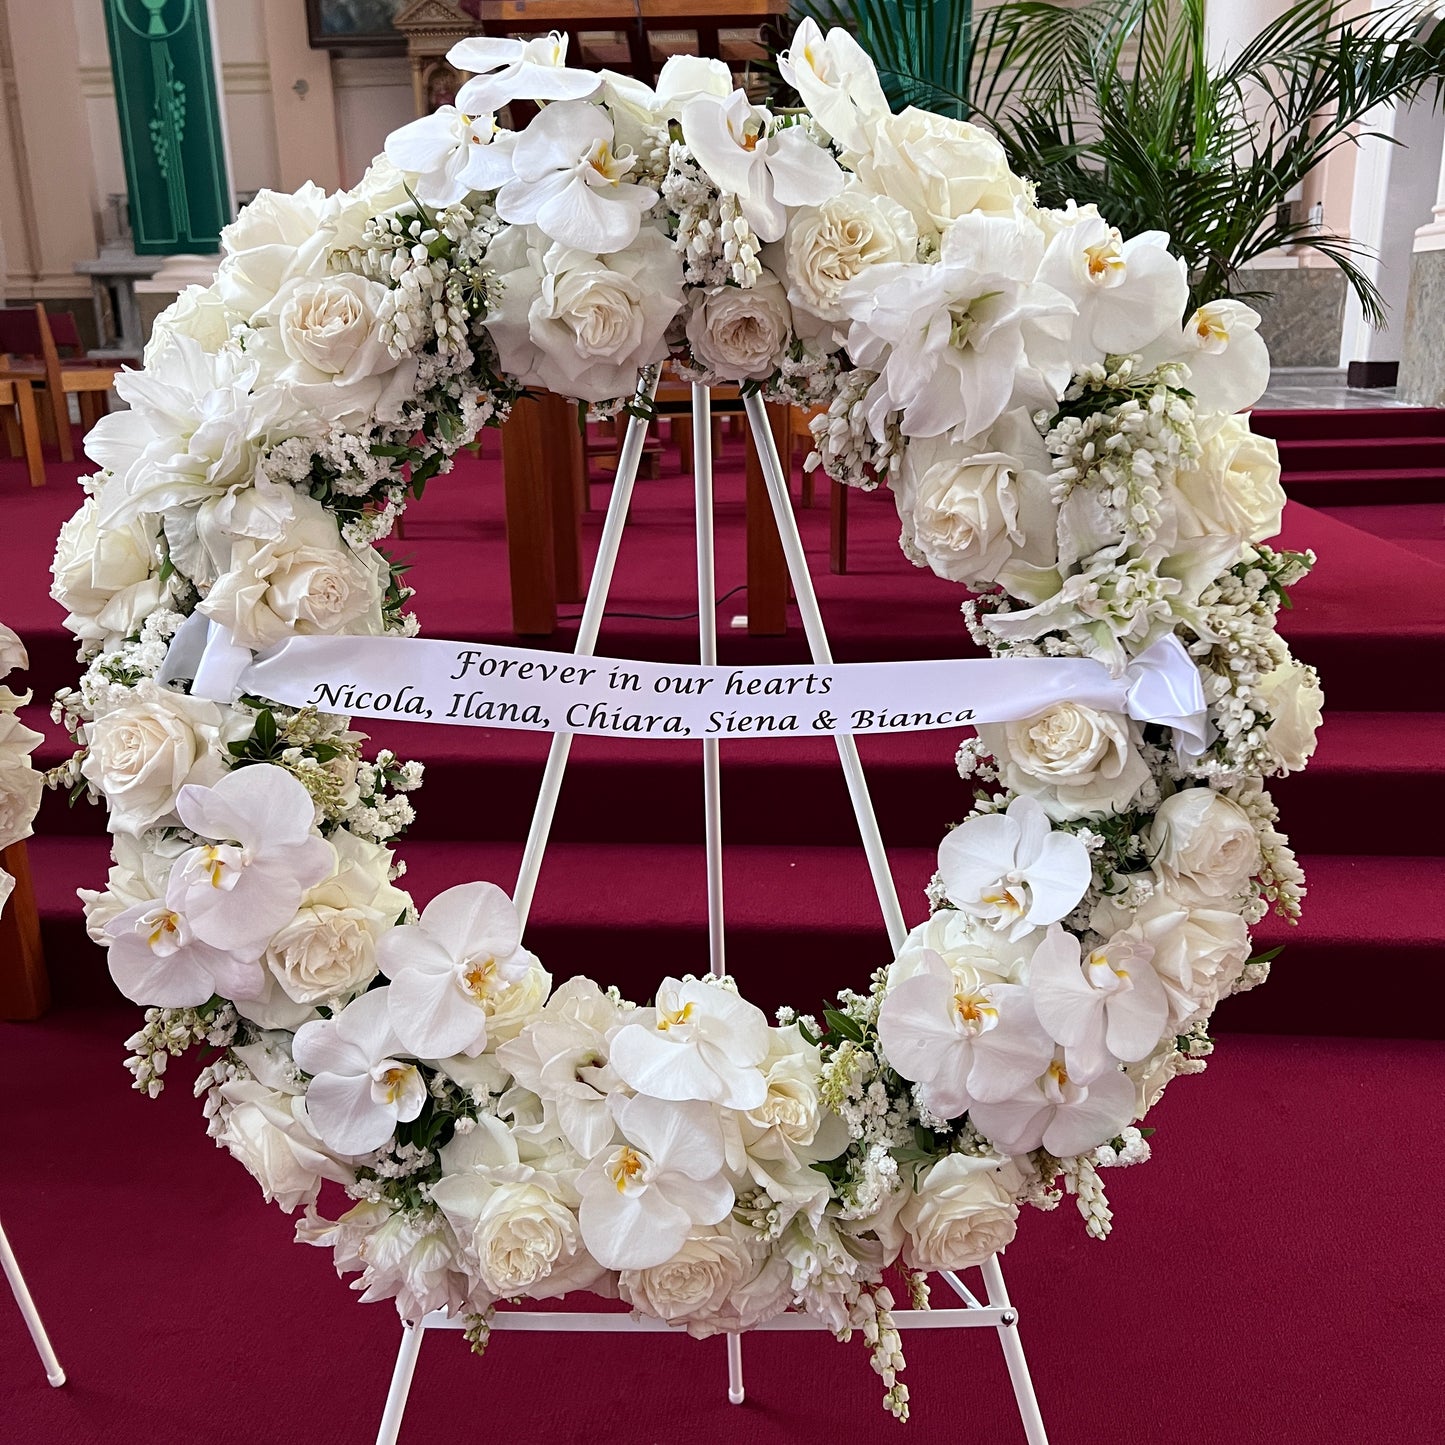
(1057, 441)
(21, 786)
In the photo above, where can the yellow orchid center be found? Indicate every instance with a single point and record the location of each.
(1105, 262)
(479, 977)
(974, 1009)
(214, 864)
(393, 1081)
(165, 924)
(670, 1019)
(1210, 328)
(625, 1167)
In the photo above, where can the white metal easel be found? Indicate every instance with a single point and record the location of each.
(29, 1313)
(998, 1312)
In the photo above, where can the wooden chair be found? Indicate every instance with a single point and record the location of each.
(27, 332)
(22, 425)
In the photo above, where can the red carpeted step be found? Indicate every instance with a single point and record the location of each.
(1383, 486)
(1387, 451)
(1347, 423)
(1417, 527)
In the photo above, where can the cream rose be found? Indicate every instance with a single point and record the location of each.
(275, 239)
(198, 312)
(21, 789)
(510, 1010)
(306, 581)
(581, 325)
(330, 327)
(1233, 488)
(940, 169)
(106, 577)
(269, 1133)
(962, 1212)
(517, 1234)
(142, 754)
(1075, 760)
(976, 953)
(1204, 847)
(1293, 698)
(828, 246)
(738, 334)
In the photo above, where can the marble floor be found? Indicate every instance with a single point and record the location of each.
(1308, 386)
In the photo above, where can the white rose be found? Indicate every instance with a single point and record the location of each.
(379, 192)
(514, 1231)
(977, 954)
(268, 1131)
(276, 238)
(721, 1279)
(306, 581)
(510, 1010)
(1075, 760)
(940, 169)
(580, 325)
(21, 789)
(197, 312)
(12, 651)
(138, 874)
(1204, 847)
(962, 1212)
(827, 246)
(737, 334)
(7, 887)
(107, 578)
(1293, 698)
(142, 754)
(971, 516)
(1233, 488)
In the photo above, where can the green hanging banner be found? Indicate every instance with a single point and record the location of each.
(170, 124)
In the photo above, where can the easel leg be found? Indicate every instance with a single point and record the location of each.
(411, 1338)
(1013, 1354)
(29, 1313)
(736, 1394)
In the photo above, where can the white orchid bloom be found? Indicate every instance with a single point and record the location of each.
(1013, 869)
(641, 1200)
(246, 882)
(1227, 359)
(452, 153)
(1057, 1112)
(959, 341)
(1106, 1009)
(362, 1082)
(157, 960)
(766, 172)
(449, 971)
(962, 1042)
(700, 1042)
(838, 82)
(504, 70)
(571, 184)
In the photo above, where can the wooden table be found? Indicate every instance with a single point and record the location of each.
(24, 427)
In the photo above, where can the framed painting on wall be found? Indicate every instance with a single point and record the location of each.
(365, 26)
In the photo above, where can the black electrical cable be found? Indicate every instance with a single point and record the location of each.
(658, 616)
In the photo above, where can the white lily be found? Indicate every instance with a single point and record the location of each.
(571, 184)
(504, 70)
(837, 81)
(1014, 869)
(1227, 359)
(962, 1043)
(157, 960)
(1059, 1113)
(452, 153)
(1106, 1009)
(700, 1042)
(641, 1200)
(362, 1083)
(237, 889)
(449, 971)
(767, 170)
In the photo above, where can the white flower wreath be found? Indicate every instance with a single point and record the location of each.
(1056, 441)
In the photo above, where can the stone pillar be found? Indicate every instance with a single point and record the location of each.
(1422, 368)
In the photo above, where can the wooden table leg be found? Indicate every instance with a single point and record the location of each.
(838, 529)
(24, 984)
(564, 464)
(767, 567)
(29, 431)
(528, 497)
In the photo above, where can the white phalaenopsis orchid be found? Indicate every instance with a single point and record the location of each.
(1227, 358)
(1059, 1113)
(452, 153)
(838, 82)
(504, 70)
(1106, 1009)
(449, 971)
(961, 1041)
(362, 1084)
(1013, 869)
(156, 959)
(571, 184)
(960, 340)
(641, 1199)
(701, 1041)
(235, 890)
(767, 168)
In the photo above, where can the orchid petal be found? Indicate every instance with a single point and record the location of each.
(803, 173)
(1058, 876)
(1012, 1054)
(681, 1137)
(346, 1116)
(259, 807)
(1095, 1119)
(473, 918)
(1014, 1126)
(623, 1230)
(660, 1068)
(431, 1016)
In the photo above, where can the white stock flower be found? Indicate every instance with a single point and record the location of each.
(408, 1255)
(1227, 359)
(308, 580)
(1075, 760)
(106, 578)
(581, 325)
(740, 334)
(1014, 869)
(198, 312)
(505, 69)
(268, 1131)
(961, 1212)
(238, 888)
(362, 1082)
(199, 538)
(701, 1041)
(451, 154)
(141, 754)
(1232, 488)
(1204, 846)
(1293, 698)
(571, 184)
(769, 170)
(641, 1200)
(838, 83)
(961, 1042)
(1108, 1008)
(453, 970)
(1059, 1113)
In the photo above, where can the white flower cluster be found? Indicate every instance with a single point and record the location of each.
(21, 786)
